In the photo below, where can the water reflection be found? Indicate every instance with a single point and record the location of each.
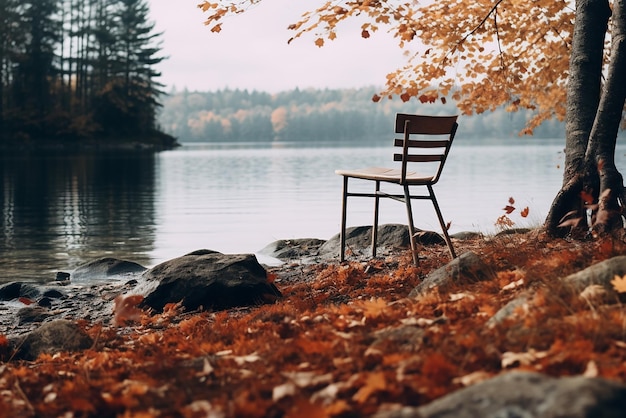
(59, 211)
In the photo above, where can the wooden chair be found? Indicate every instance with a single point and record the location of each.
(425, 144)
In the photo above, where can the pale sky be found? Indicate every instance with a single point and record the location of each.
(252, 52)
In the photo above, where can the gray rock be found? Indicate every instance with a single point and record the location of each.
(51, 338)
(106, 268)
(467, 268)
(209, 280)
(293, 248)
(359, 238)
(14, 290)
(599, 274)
(404, 338)
(526, 395)
(508, 310)
(34, 313)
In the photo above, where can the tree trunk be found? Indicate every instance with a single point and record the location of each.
(591, 182)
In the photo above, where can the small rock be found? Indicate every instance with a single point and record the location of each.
(33, 313)
(52, 337)
(467, 268)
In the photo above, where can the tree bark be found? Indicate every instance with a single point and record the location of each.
(593, 113)
(601, 150)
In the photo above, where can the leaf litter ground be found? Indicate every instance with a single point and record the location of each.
(346, 340)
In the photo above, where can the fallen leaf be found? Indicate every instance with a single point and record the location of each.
(586, 197)
(513, 285)
(511, 359)
(125, 309)
(472, 378)
(282, 391)
(619, 284)
(374, 383)
(591, 370)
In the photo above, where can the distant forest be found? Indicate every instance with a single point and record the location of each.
(73, 70)
(317, 115)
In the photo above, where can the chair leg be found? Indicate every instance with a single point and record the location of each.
(344, 208)
(409, 212)
(441, 222)
(375, 223)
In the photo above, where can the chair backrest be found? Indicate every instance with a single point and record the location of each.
(426, 139)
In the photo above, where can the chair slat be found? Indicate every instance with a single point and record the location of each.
(413, 158)
(428, 125)
(422, 144)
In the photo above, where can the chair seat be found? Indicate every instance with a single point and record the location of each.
(391, 175)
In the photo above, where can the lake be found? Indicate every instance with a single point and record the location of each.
(62, 210)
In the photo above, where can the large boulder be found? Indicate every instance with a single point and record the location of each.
(389, 237)
(207, 279)
(526, 394)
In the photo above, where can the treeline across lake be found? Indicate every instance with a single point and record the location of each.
(76, 70)
(317, 115)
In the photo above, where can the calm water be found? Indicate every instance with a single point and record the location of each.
(59, 211)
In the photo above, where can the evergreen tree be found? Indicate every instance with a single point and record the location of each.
(127, 103)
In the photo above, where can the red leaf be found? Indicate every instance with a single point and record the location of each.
(586, 197)
(508, 209)
(25, 301)
(511, 201)
(524, 212)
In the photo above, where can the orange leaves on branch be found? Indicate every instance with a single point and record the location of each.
(428, 98)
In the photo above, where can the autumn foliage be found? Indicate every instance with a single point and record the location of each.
(477, 53)
(344, 341)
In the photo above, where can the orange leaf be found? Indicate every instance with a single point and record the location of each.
(511, 201)
(524, 212)
(619, 284)
(125, 309)
(319, 42)
(375, 382)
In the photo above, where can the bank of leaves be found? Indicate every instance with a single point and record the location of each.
(346, 340)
